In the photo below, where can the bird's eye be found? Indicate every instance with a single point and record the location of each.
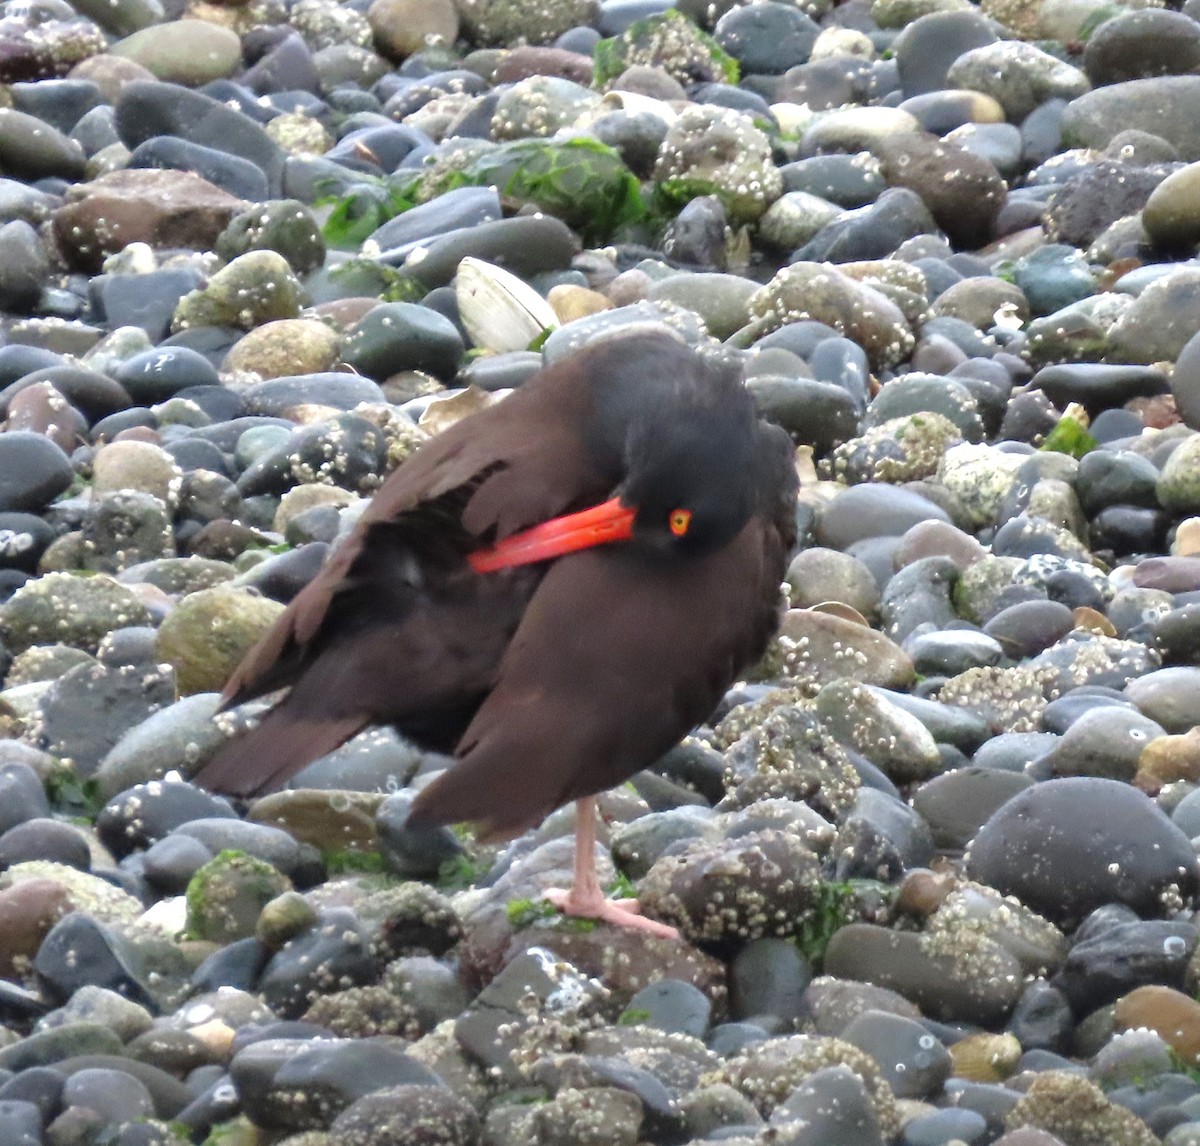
(679, 521)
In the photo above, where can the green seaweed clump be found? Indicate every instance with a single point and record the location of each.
(583, 182)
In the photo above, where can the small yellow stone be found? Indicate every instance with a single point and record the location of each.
(570, 302)
(985, 1057)
(1092, 621)
(1187, 538)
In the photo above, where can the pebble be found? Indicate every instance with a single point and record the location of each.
(912, 220)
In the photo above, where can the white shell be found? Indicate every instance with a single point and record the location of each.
(500, 311)
(634, 102)
(442, 413)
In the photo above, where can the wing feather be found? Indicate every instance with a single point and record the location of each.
(615, 660)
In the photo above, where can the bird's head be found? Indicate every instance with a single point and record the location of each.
(691, 478)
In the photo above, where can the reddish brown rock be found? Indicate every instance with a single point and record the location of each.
(345, 312)
(27, 912)
(110, 74)
(1168, 759)
(1158, 412)
(963, 191)
(42, 51)
(523, 62)
(1171, 574)
(41, 409)
(1172, 1014)
(162, 208)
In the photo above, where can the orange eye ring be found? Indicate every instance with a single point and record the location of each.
(679, 521)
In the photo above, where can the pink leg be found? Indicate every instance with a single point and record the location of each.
(586, 897)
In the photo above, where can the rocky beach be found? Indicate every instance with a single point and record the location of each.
(934, 862)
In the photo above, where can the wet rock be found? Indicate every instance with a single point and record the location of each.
(34, 470)
(205, 638)
(956, 805)
(282, 225)
(832, 1105)
(963, 192)
(957, 977)
(768, 977)
(722, 891)
(298, 1083)
(1159, 322)
(1059, 1101)
(401, 336)
(1101, 969)
(253, 289)
(888, 736)
(407, 1114)
(725, 149)
(87, 710)
(79, 952)
(227, 894)
(1104, 742)
(808, 639)
(1166, 696)
(162, 208)
(1092, 119)
(1037, 847)
(1136, 45)
(333, 952)
(914, 1063)
(770, 1073)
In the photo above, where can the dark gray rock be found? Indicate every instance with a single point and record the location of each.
(33, 471)
(1064, 847)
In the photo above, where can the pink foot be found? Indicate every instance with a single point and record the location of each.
(621, 912)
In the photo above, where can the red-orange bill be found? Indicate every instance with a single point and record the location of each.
(610, 521)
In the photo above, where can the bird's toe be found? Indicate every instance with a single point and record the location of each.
(620, 912)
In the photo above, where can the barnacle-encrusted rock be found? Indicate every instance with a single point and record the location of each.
(65, 609)
(958, 975)
(540, 106)
(790, 754)
(822, 292)
(408, 1115)
(1009, 699)
(410, 917)
(285, 348)
(502, 22)
(1075, 1108)
(901, 449)
(225, 896)
(162, 208)
(286, 226)
(722, 151)
(768, 1072)
(363, 1012)
(1034, 941)
(47, 48)
(814, 647)
(325, 23)
(670, 42)
(255, 288)
(759, 884)
(981, 477)
(209, 632)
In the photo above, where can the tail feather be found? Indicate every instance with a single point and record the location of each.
(276, 750)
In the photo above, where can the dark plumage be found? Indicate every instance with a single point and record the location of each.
(554, 680)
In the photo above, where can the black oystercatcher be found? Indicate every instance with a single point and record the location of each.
(556, 588)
